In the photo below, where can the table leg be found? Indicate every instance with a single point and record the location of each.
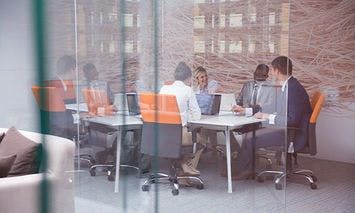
(118, 157)
(228, 152)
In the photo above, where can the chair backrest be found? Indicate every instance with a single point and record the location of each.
(162, 129)
(159, 108)
(317, 100)
(48, 98)
(95, 99)
(69, 94)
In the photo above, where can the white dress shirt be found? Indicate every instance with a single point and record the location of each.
(186, 100)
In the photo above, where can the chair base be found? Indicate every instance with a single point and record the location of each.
(280, 175)
(110, 169)
(173, 181)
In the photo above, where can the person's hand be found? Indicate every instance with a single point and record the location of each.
(237, 108)
(260, 115)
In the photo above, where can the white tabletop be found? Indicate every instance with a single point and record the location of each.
(82, 107)
(116, 120)
(232, 121)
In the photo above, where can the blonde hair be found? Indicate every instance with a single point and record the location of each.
(198, 71)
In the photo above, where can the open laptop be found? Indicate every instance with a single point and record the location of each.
(227, 102)
(130, 107)
(209, 103)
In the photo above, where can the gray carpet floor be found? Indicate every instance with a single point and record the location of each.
(335, 193)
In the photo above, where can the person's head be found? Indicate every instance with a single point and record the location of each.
(66, 65)
(261, 72)
(281, 67)
(90, 72)
(201, 77)
(182, 72)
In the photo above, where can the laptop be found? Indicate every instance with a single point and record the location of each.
(209, 103)
(130, 107)
(133, 106)
(227, 102)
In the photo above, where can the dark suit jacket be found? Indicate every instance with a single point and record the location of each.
(298, 111)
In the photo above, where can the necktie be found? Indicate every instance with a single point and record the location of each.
(255, 93)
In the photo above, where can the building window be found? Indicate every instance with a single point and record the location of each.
(112, 48)
(252, 17)
(251, 47)
(138, 21)
(199, 46)
(101, 17)
(271, 47)
(272, 18)
(112, 16)
(212, 21)
(222, 21)
(235, 47)
(139, 47)
(199, 21)
(199, 1)
(212, 46)
(236, 20)
(128, 20)
(128, 46)
(221, 46)
(102, 47)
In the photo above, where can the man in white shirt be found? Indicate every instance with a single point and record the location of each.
(189, 109)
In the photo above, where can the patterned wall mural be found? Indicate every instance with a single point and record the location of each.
(228, 38)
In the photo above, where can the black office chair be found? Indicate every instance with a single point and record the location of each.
(310, 148)
(162, 137)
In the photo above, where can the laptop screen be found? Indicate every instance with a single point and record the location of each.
(132, 101)
(208, 103)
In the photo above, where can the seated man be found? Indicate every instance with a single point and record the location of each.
(293, 109)
(254, 96)
(189, 109)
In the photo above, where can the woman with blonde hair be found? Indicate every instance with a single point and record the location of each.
(201, 83)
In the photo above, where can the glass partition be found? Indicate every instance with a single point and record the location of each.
(95, 61)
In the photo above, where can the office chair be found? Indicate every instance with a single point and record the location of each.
(310, 148)
(68, 96)
(162, 137)
(61, 122)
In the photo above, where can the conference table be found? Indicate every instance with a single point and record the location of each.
(226, 123)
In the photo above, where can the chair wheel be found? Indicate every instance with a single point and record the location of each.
(278, 186)
(93, 172)
(199, 186)
(175, 192)
(145, 188)
(315, 179)
(313, 186)
(260, 179)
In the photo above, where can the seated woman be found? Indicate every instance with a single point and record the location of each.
(201, 83)
(203, 86)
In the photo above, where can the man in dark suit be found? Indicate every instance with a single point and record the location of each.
(293, 109)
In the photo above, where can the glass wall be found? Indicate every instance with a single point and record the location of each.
(93, 63)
